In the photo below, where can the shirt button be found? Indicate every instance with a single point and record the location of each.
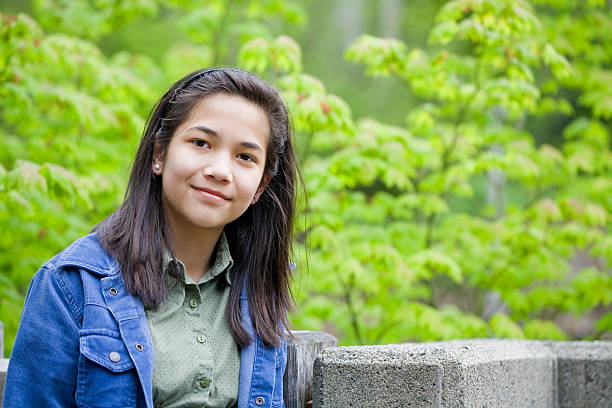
(204, 382)
(114, 357)
(259, 401)
(201, 338)
(193, 303)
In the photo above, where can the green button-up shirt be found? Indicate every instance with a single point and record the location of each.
(197, 361)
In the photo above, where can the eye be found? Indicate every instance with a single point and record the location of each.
(200, 143)
(246, 157)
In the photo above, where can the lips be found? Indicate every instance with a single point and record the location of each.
(211, 193)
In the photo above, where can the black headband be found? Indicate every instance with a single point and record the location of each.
(201, 74)
(186, 82)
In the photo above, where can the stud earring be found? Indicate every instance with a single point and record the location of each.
(157, 166)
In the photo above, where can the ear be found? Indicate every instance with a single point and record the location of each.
(265, 180)
(158, 160)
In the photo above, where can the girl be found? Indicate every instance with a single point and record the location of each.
(180, 297)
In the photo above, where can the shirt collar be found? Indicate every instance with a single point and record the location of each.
(222, 265)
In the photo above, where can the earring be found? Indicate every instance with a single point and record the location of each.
(157, 166)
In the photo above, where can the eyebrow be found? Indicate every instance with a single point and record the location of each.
(213, 133)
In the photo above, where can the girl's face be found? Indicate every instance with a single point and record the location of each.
(213, 167)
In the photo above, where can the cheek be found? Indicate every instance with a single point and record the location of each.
(175, 174)
(250, 185)
(180, 166)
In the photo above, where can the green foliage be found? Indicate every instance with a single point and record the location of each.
(71, 116)
(283, 53)
(91, 19)
(391, 260)
(54, 185)
(457, 224)
(502, 326)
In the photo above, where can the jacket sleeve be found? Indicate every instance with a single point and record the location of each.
(42, 369)
(278, 399)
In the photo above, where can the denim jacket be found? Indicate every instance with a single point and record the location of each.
(84, 341)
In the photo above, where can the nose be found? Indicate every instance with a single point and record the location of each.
(219, 169)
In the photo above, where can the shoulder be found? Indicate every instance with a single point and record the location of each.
(85, 253)
(76, 270)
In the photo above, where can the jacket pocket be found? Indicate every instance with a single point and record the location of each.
(107, 377)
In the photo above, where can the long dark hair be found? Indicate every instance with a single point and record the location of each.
(137, 233)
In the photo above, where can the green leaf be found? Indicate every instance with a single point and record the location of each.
(543, 330)
(253, 55)
(62, 183)
(502, 326)
(17, 200)
(381, 56)
(558, 64)
(443, 32)
(432, 262)
(286, 54)
(605, 323)
(26, 177)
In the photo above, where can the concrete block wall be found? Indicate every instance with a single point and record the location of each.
(466, 373)
(461, 373)
(584, 373)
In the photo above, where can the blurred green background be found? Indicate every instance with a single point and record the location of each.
(456, 154)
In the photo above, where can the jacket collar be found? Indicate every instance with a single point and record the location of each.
(87, 253)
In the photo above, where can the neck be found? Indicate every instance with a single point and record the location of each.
(194, 246)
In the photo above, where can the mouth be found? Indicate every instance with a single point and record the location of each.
(210, 193)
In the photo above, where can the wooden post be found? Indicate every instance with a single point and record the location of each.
(3, 367)
(301, 353)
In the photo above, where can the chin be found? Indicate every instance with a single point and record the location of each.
(209, 224)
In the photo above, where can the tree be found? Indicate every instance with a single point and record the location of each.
(402, 244)
(69, 130)
(462, 223)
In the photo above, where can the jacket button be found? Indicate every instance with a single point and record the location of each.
(204, 382)
(139, 347)
(113, 291)
(114, 357)
(259, 401)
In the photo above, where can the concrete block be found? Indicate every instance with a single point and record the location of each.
(472, 373)
(376, 377)
(501, 373)
(301, 353)
(584, 373)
